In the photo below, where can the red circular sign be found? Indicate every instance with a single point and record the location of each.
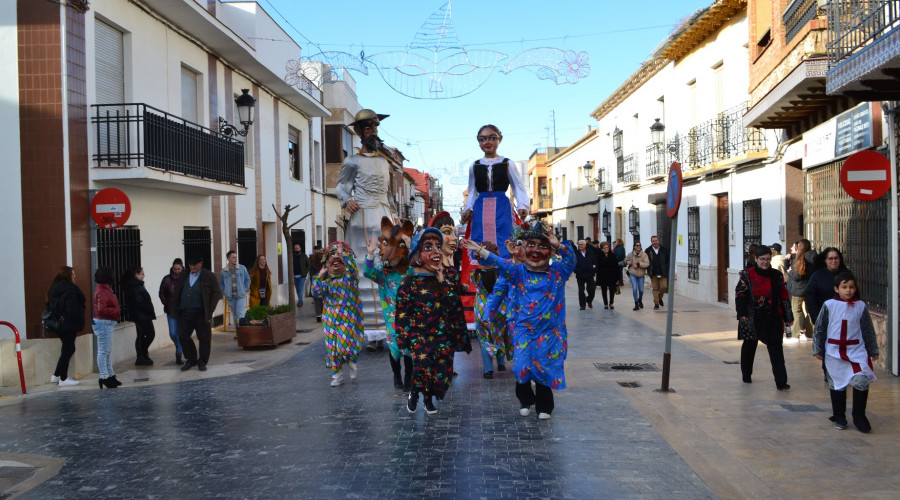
(866, 175)
(673, 191)
(110, 208)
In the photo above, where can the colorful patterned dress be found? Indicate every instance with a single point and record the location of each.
(455, 311)
(342, 316)
(388, 281)
(491, 321)
(426, 331)
(537, 313)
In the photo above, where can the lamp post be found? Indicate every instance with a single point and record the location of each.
(245, 104)
(588, 169)
(657, 133)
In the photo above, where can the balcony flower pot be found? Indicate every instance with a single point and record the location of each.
(267, 327)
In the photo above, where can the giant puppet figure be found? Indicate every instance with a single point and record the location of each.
(362, 189)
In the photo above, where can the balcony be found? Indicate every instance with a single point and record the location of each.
(140, 145)
(656, 169)
(630, 176)
(718, 143)
(796, 16)
(544, 204)
(863, 49)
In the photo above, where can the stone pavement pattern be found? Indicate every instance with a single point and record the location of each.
(277, 430)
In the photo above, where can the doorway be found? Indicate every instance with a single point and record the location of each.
(722, 255)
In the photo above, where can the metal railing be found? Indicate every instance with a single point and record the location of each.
(545, 202)
(630, 173)
(602, 183)
(655, 167)
(717, 139)
(852, 24)
(138, 135)
(796, 15)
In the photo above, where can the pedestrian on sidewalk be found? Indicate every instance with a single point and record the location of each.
(636, 264)
(608, 272)
(261, 282)
(387, 263)
(537, 310)
(139, 310)
(197, 294)
(234, 281)
(425, 330)
(659, 271)
(66, 300)
(489, 332)
(820, 287)
(585, 270)
(845, 340)
(619, 251)
(301, 270)
(106, 315)
(316, 261)
(764, 308)
(166, 294)
(337, 284)
(798, 277)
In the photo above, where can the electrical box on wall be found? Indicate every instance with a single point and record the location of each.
(732, 241)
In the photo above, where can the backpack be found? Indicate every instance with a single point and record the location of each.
(51, 320)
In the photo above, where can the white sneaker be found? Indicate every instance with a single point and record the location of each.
(67, 382)
(791, 340)
(353, 370)
(543, 416)
(337, 379)
(525, 411)
(803, 338)
(54, 379)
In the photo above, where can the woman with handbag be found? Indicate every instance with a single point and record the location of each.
(763, 310)
(261, 283)
(67, 301)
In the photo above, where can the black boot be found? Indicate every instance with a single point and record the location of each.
(636, 306)
(407, 374)
(395, 367)
(839, 409)
(114, 380)
(641, 300)
(859, 410)
(178, 360)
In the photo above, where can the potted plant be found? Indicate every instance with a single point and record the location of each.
(268, 326)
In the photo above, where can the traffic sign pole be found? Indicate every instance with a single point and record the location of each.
(673, 204)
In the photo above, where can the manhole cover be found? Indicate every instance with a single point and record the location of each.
(629, 384)
(801, 408)
(630, 367)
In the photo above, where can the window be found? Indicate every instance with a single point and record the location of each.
(663, 225)
(119, 249)
(752, 224)
(693, 243)
(109, 59)
(198, 241)
(580, 232)
(332, 235)
(246, 247)
(298, 236)
(564, 186)
(189, 100)
(294, 153)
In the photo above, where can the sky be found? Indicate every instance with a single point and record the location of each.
(438, 135)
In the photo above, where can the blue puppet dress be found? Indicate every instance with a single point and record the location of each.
(537, 314)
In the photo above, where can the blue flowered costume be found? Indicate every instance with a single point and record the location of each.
(537, 315)
(491, 324)
(388, 281)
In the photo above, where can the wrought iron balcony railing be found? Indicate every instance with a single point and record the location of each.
(715, 140)
(796, 15)
(138, 135)
(655, 166)
(545, 202)
(853, 24)
(630, 173)
(602, 183)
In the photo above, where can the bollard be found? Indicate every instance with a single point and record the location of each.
(18, 354)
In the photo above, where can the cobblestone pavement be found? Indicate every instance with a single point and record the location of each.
(277, 430)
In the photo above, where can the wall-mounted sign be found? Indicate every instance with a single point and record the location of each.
(846, 133)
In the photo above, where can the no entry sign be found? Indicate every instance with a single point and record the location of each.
(673, 192)
(866, 175)
(110, 208)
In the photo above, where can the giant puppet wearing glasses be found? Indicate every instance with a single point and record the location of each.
(488, 209)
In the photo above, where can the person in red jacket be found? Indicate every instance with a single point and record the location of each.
(106, 315)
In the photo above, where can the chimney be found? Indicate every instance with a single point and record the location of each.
(587, 129)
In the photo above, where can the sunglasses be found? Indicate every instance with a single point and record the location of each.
(492, 137)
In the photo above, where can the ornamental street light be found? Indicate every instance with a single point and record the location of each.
(245, 105)
(657, 133)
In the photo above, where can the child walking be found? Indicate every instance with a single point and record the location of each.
(490, 326)
(845, 338)
(337, 284)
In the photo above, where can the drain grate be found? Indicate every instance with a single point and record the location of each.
(302, 343)
(732, 362)
(630, 384)
(241, 361)
(626, 367)
(801, 408)
(142, 379)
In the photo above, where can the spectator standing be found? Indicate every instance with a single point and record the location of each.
(821, 284)
(637, 262)
(139, 310)
(196, 295)
(235, 283)
(585, 270)
(619, 250)
(659, 271)
(67, 301)
(802, 265)
(608, 272)
(261, 282)
(106, 315)
(166, 293)
(778, 260)
(316, 261)
(301, 271)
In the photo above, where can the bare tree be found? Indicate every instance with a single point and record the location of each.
(286, 232)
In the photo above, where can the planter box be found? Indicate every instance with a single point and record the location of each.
(282, 328)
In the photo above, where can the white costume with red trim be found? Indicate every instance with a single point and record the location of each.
(845, 349)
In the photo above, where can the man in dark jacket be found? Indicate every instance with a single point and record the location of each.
(197, 294)
(316, 261)
(585, 270)
(658, 271)
(301, 270)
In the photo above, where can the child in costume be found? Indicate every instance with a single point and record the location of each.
(537, 311)
(845, 339)
(497, 307)
(489, 326)
(387, 268)
(424, 329)
(443, 222)
(337, 284)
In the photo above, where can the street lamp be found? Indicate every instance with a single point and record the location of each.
(245, 104)
(588, 169)
(657, 133)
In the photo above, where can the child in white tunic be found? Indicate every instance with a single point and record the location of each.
(845, 339)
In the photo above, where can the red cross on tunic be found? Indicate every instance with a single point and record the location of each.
(842, 346)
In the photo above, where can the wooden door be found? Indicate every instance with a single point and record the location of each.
(722, 246)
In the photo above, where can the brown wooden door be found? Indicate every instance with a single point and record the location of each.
(722, 246)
